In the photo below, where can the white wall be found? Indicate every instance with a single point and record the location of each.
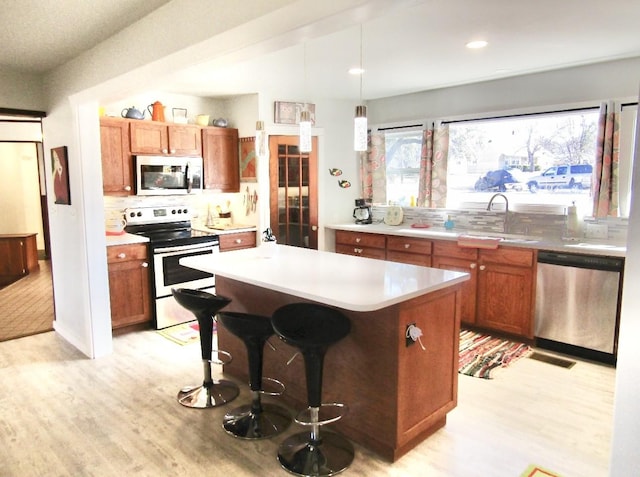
(21, 91)
(20, 187)
(625, 458)
(586, 84)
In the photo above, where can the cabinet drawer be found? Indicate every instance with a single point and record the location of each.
(520, 257)
(451, 249)
(360, 239)
(237, 241)
(421, 259)
(361, 251)
(121, 253)
(409, 244)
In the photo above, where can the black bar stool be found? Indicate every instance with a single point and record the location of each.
(212, 392)
(312, 329)
(258, 420)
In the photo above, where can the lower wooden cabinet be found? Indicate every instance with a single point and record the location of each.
(500, 293)
(414, 251)
(361, 244)
(18, 256)
(129, 285)
(237, 241)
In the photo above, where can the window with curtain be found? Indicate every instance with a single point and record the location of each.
(544, 159)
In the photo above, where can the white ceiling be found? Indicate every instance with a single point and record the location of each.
(417, 47)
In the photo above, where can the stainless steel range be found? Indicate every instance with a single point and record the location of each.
(170, 239)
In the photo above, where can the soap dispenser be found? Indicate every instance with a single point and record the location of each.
(573, 224)
(448, 224)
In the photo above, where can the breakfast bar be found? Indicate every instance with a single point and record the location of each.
(398, 386)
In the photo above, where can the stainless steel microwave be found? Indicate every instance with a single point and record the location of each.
(167, 175)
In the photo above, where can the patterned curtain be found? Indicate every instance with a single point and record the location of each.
(374, 170)
(605, 179)
(432, 191)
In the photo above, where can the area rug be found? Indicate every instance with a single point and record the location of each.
(183, 334)
(482, 354)
(535, 471)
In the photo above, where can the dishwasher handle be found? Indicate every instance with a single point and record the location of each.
(591, 262)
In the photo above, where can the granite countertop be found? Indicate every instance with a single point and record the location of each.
(348, 282)
(573, 245)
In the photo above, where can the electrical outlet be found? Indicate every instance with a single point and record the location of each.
(596, 231)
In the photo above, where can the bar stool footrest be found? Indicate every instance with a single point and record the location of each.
(243, 423)
(327, 413)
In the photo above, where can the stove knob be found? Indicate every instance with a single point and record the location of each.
(139, 214)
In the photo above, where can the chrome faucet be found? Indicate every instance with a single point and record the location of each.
(506, 210)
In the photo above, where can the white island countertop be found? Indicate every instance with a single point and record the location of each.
(348, 282)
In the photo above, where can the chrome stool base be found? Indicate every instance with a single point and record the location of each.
(244, 423)
(331, 455)
(215, 394)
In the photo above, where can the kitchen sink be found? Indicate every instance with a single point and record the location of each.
(508, 238)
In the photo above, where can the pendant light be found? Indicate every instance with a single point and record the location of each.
(360, 120)
(305, 115)
(261, 139)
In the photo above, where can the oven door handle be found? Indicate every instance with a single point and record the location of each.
(189, 177)
(215, 247)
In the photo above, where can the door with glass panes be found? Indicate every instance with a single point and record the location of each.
(293, 180)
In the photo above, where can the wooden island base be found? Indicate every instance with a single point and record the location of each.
(397, 395)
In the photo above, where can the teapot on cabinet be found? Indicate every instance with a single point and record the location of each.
(157, 111)
(132, 113)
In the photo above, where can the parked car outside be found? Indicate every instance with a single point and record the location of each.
(566, 176)
(500, 180)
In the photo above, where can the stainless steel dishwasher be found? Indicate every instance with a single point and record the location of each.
(577, 304)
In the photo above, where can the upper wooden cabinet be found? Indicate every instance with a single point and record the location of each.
(117, 163)
(149, 137)
(220, 152)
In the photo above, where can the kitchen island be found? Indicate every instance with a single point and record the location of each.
(398, 390)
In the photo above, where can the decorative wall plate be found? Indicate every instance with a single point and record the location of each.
(394, 216)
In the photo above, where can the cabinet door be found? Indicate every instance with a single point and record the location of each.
(506, 298)
(12, 263)
(414, 251)
(148, 137)
(129, 293)
(185, 140)
(221, 159)
(468, 312)
(117, 163)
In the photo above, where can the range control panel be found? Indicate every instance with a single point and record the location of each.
(157, 215)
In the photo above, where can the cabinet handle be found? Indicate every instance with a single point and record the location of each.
(122, 255)
(358, 239)
(164, 151)
(357, 250)
(238, 241)
(472, 266)
(314, 227)
(127, 188)
(145, 265)
(482, 267)
(173, 151)
(407, 245)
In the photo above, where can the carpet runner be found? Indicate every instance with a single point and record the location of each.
(481, 354)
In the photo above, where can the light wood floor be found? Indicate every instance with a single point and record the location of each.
(62, 414)
(26, 306)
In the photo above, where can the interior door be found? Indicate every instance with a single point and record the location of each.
(293, 204)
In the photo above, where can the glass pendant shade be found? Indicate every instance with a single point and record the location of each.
(305, 131)
(261, 140)
(360, 129)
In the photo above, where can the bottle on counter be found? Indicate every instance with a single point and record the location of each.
(573, 223)
(449, 224)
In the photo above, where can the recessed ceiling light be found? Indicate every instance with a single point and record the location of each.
(476, 44)
(356, 70)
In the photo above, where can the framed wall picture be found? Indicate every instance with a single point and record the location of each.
(289, 113)
(60, 175)
(248, 164)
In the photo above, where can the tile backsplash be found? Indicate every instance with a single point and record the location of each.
(532, 224)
